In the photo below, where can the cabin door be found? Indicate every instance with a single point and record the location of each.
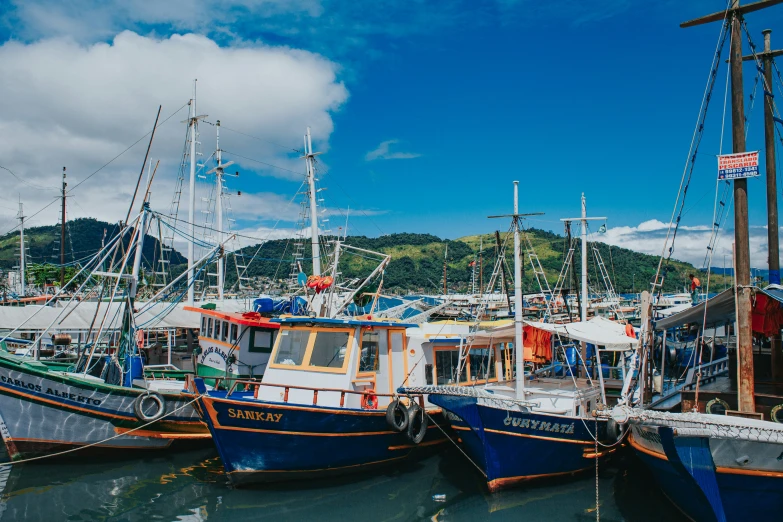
(397, 346)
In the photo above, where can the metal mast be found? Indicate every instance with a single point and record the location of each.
(219, 172)
(21, 250)
(314, 242)
(62, 234)
(584, 219)
(518, 347)
(192, 197)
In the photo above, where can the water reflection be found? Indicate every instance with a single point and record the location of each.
(192, 487)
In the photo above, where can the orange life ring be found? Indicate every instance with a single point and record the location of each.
(140, 338)
(369, 400)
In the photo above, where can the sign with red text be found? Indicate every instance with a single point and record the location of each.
(736, 166)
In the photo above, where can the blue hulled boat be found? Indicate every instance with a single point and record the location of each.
(525, 431)
(325, 406)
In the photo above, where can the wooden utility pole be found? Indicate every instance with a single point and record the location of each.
(746, 400)
(773, 242)
(62, 235)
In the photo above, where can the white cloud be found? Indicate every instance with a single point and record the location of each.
(383, 152)
(690, 245)
(79, 105)
(90, 20)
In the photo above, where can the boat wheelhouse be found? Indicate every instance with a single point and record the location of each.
(233, 345)
(321, 407)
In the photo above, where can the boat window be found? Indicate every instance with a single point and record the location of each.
(224, 337)
(329, 349)
(261, 340)
(203, 326)
(234, 330)
(446, 362)
(208, 333)
(371, 350)
(482, 364)
(216, 331)
(291, 347)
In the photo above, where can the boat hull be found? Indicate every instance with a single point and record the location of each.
(43, 412)
(739, 492)
(262, 441)
(512, 446)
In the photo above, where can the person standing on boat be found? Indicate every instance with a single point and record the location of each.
(695, 288)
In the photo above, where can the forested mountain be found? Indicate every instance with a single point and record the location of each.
(82, 240)
(416, 265)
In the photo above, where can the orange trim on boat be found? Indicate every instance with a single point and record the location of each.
(67, 443)
(411, 446)
(525, 435)
(718, 469)
(159, 435)
(77, 408)
(496, 484)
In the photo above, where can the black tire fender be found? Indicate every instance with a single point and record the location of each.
(417, 423)
(145, 399)
(397, 416)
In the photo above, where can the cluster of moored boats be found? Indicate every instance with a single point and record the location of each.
(318, 383)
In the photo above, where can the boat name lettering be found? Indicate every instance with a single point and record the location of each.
(17, 383)
(553, 427)
(220, 353)
(254, 415)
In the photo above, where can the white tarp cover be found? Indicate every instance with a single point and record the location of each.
(598, 331)
(72, 317)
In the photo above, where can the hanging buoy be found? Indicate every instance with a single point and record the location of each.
(149, 406)
(397, 416)
(417, 423)
(140, 338)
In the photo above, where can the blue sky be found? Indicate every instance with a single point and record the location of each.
(434, 108)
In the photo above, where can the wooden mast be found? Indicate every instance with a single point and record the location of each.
(745, 398)
(773, 242)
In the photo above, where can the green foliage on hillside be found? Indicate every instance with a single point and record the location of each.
(417, 262)
(82, 241)
(416, 265)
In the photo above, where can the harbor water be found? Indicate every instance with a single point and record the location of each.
(192, 487)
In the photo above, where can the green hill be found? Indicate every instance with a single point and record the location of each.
(416, 265)
(417, 262)
(83, 239)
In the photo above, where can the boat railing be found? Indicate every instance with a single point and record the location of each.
(256, 386)
(709, 372)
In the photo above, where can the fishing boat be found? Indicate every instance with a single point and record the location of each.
(105, 402)
(721, 457)
(233, 345)
(325, 406)
(529, 427)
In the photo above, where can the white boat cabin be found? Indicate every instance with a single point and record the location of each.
(233, 345)
(330, 362)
